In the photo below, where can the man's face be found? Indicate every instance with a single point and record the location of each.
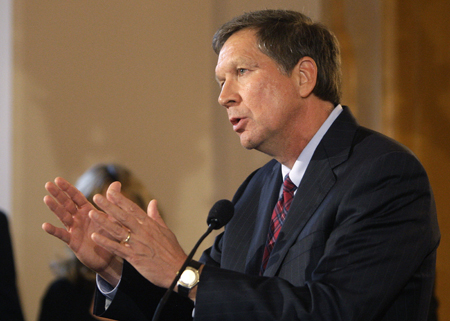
(263, 104)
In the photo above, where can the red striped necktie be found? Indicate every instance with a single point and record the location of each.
(278, 216)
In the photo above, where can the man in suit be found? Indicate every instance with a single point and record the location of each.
(340, 225)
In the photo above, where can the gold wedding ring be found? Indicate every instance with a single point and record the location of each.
(128, 237)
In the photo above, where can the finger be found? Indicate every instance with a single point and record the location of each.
(117, 231)
(114, 195)
(75, 195)
(58, 232)
(123, 217)
(111, 246)
(61, 212)
(61, 197)
(153, 213)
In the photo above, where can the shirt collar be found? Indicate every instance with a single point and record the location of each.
(302, 162)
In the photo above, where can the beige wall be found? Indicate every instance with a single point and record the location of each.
(105, 81)
(417, 108)
(97, 81)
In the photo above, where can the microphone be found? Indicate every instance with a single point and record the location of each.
(219, 215)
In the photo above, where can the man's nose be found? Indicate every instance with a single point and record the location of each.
(229, 95)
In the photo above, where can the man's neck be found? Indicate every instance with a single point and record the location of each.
(294, 146)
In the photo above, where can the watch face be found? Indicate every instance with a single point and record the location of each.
(188, 277)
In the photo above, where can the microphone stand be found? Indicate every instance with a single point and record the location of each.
(164, 299)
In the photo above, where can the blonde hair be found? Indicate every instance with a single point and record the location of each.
(97, 179)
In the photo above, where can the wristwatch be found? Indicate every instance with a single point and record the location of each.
(189, 278)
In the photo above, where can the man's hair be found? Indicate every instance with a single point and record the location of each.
(286, 37)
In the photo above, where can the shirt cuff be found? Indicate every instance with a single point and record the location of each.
(106, 289)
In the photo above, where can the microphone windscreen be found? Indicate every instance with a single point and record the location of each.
(220, 214)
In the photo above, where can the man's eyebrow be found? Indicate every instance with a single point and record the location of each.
(237, 62)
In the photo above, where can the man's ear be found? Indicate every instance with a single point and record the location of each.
(307, 72)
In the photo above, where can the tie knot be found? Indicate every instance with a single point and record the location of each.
(288, 185)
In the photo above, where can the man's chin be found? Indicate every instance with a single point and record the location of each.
(259, 146)
(248, 144)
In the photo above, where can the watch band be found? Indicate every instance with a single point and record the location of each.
(185, 289)
(196, 265)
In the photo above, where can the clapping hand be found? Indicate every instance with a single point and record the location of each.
(142, 239)
(72, 209)
(101, 240)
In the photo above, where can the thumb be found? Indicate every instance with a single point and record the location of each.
(153, 213)
(113, 189)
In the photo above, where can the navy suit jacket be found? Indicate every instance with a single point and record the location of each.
(359, 241)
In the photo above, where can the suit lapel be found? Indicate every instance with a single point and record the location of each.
(267, 201)
(315, 185)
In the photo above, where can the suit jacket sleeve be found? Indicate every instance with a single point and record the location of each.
(137, 299)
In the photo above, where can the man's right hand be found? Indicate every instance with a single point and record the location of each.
(72, 208)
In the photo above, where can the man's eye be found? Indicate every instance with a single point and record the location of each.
(241, 71)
